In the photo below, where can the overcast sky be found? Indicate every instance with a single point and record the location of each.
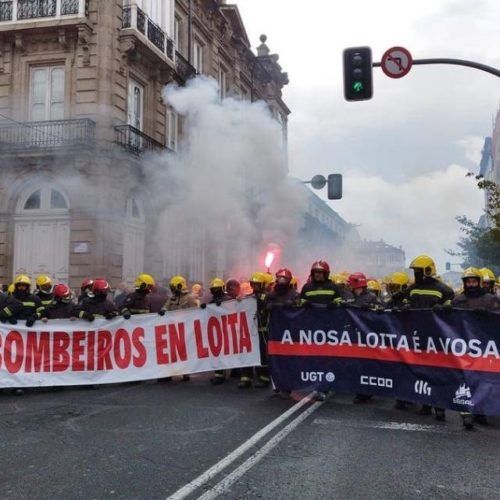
(404, 154)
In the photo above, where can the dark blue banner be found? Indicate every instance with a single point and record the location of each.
(448, 359)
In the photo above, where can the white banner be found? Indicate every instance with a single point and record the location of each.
(149, 346)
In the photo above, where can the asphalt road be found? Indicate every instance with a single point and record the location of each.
(148, 440)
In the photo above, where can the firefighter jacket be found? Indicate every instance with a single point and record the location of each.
(9, 308)
(397, 300)
(366, 299)
(84, 295)
(428, 294)
(224, 297)
(137, 302)
(31, 305)
(45, 298)
(262, 312)
(99, 306)
(324, 292)
(282, 296)
(60, 310)
(182, 301)
(481, 300)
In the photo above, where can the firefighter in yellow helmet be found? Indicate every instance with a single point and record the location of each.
(269, 280)
(488, 279)
(44, 290)
(397, 285)
(374, 287)
(258, 284)
(181, 298)
(138, 302)
(32, 305)
(428, 293)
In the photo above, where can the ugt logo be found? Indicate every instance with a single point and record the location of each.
(422, 387)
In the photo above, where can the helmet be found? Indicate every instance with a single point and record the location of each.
(87, 283)
(357, 280)
(473, 272)
(294, 281)
(233, 284)
(11, 289)
(374, 286)
(339, 279)
(320, 265)
(178, 283)
(144, 281)
(488, 274)
(284, 273)
(22, 279)
(42, 280)
(217, 283)
(62, 291)
(425, 263)
(100, 286)
(400, 279)
(258, 277)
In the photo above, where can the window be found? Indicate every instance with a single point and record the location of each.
(45, 199)
(198, 57)
(47, 93)
(57, 200)
(34, 201)
(173, 129)
(177, 34)
(135, 104)
(222, 82)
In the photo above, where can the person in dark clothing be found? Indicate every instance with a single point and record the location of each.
(9, 309)
(62, 306)
(396, 287)
(157, 299)
(138, 302)
(44, 289)
(428, 293)
(32, 306)
(98, 304)
(85, 289)
(477, 298)
(319, 289)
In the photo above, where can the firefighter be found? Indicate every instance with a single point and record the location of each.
(397, 284)
(62, 306)
(477, 298)
(218, 296)
(97, 305)
(269, 281)
(44, 290)
(374, 287)
(85, 289)
(428, 293)
(138, 302)
(258, 284)
(9, 308)
(362, 297)
(181, 298)
(488, 279)
(32, 306)
(319, 289)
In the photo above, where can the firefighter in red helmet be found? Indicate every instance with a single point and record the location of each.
(319, 289)
(85, 289)
(97, 304)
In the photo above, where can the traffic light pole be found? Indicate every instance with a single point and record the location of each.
(456, 62)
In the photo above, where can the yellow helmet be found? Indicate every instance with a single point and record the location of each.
(144, 280)
(268, 278)
(258, 277)
(374, 285)
(217, 283)
(425, 263)
(487, 274)
(294, 281)
(42, 280)
(400, 279)
(22, 279)
(473, 272)
(178, 283)
(11, 289)
(339, 279)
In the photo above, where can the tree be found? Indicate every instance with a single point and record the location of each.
(480, 245)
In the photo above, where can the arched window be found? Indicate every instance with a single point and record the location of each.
(46, 199)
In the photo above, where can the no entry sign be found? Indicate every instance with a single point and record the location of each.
(396, 62)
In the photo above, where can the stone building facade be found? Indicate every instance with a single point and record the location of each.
(82, 112)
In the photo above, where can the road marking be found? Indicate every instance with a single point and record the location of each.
(393, 426)
(225, 483)
(234, 455)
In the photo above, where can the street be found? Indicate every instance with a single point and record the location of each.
(151, 440)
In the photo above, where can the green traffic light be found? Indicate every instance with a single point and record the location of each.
(358, 86)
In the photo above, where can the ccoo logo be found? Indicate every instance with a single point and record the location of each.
(422, 387)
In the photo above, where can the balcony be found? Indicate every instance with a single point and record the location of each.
(136, 19)
(183, 69)
(137, 142)
(54, 134)
(26, 10)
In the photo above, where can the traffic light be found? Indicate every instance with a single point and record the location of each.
(335, 187)
(358, 73)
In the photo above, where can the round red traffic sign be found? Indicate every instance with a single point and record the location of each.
(396, 62)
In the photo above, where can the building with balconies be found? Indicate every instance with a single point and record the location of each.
(82, 114)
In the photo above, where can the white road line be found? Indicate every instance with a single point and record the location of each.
(393, 426)
(234, 455)
(225, 483)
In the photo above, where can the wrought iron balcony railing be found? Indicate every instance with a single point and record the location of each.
(137, 142)
(31, 136)
(184, 70)
(23, 10)
(134, 17)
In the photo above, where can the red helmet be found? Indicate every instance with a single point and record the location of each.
(62, 291)
(87, 284)
(284, 273)
(321, 265)
(100, 286)
(357, 280)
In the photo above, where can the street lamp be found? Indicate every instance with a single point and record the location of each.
(334, 182)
